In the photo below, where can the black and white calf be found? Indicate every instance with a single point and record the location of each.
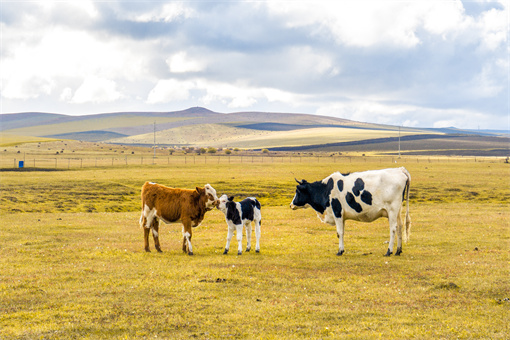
(237, 215)
(360, 196)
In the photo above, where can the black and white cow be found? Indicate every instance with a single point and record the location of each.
(237, 215)
(360, 196)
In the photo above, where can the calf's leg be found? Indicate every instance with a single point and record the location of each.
(229, 238)
(248, 236)
(146, 232)
(257, 235)
(186, 240)
(239, 236)
(155, 234)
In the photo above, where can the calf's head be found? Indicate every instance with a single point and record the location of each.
(222, 202)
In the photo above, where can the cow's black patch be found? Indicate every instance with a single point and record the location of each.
(247, 206)
(233, 213)
(340, 185)
(337, 207)
(315, 194)
(358, 187)
(366, 197)
(351, 201)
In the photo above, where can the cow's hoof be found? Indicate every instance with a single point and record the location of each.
(225, 252)
(388, 253)
(340, 253)
(159, 250)
(398, 252)
(239, 253)
(190, 253)
(147, 250)
(248, 249)
(257, 251)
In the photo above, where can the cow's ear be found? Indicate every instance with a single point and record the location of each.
(199, 190)
(231, 198)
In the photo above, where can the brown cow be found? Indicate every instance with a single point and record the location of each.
(174, 205)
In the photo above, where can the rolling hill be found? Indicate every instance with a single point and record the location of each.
(200, 127)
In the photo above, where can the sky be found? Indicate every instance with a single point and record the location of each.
(420, 63)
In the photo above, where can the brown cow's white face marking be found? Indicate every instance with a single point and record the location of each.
(212, 199)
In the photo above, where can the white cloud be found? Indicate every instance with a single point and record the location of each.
(66, 95)
(181, 63)
(27, 87)
(167, 90)
(494, 28)
(96, 90)
(373, 23)
(166, 13)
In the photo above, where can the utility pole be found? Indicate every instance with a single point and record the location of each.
(154, 157)
(399, 141)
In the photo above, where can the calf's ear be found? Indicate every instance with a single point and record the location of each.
(231, 198)
(199, 190)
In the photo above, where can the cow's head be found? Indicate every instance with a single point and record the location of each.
(315, 195)
(222, 202)
(302, 197)
(210, 194)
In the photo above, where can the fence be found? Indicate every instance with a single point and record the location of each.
(52, 162)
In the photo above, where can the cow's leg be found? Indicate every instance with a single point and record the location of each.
(229, 238)
(392, 219)
(186, 240)
(399, 235)
(340, 233)
(239, 237)
(155, 233)
(248, 236)
(257, 235)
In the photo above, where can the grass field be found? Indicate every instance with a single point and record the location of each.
(72, 263)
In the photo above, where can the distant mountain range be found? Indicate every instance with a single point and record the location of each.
(200, 127)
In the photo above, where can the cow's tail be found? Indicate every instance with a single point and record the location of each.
(407, 232)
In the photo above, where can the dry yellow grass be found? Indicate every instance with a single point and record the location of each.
(67, 273)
